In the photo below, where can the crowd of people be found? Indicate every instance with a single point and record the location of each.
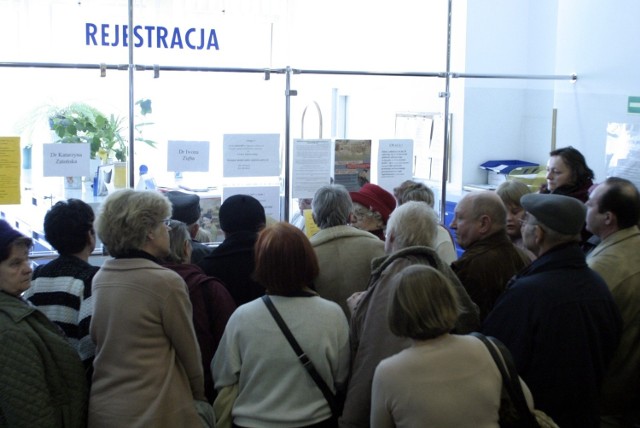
(364, 324)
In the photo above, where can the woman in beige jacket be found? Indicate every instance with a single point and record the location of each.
(147, 369)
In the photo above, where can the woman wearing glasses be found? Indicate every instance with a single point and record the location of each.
(147, 369)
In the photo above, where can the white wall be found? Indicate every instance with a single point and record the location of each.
(598, 40)
(505, 118)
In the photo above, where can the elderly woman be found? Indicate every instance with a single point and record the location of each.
(273, 387)
(442, 380)
(147, 369)
(372, 206)
(42, 381)
(212, 303)
(411, 190)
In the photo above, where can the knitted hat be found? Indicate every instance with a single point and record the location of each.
(7, 234)
(241, 213)
(564, 214)
(376, 199)
(186, 206)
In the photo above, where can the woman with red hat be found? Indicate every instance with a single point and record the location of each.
(372, 206)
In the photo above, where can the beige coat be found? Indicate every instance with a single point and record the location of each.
(344, 255)
(147, 369)
(617, 260)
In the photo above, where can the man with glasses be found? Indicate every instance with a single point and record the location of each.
(557, 317)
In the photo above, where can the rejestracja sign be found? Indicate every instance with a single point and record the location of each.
(151, 36)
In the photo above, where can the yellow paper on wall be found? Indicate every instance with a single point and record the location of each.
(310, 226)
(9, 170)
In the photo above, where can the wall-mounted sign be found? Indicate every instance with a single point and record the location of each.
(251, 155)
(66, 160)
(633, 105)
(184, 156)
(312, 166)
(9, 170)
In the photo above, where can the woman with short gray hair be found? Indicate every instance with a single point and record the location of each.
(147, 369)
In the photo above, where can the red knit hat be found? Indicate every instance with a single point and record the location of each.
(376, 199)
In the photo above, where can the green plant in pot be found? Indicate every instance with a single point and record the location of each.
(81, 123)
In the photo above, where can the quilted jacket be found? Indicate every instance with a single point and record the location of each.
(42, 381)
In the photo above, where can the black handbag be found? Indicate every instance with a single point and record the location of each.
(335, 403)
(514, 411)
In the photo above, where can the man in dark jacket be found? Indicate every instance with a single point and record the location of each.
(490, 258)
(241, 218)
(558, 317)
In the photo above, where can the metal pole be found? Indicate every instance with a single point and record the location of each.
(287, 137)
(447, 136)
(131, 120)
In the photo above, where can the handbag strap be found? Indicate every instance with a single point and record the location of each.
(510, 379)
(304, 359)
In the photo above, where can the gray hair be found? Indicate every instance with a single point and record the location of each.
(331, 206)
(127, 216)
(414, 191)
(412, 224)
(178, 234)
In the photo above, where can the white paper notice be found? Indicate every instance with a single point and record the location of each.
(395, 162)
(184, 156)
(269, 197)
(66, 160)
(311, 167)
(251, 155)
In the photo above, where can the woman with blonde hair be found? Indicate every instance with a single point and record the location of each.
(510, 192)
(147, 369)
(443, 379)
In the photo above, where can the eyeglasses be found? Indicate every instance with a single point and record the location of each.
(167, 222)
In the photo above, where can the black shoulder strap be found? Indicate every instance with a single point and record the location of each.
(510, 379)
(304, 359)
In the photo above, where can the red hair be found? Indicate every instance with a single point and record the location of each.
(285, 261)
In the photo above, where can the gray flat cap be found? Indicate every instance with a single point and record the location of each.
(563, 214)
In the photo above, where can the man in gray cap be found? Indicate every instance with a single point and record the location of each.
(557, 316)
(186, 208)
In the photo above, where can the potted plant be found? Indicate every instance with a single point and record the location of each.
(81, 123)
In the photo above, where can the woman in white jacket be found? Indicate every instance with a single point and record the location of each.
(273, 387)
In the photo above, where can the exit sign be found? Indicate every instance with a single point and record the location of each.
(633, 106)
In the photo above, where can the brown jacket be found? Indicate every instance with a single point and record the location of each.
(147, 369)
(370, 337)
(486, 267)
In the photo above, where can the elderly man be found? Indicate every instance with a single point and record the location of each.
(186, 208)
(344, 252)
(613, 212)
(490, 258)
(557, 317)
(410, 234)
